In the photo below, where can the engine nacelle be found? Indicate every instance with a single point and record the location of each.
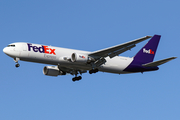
(52, 71)
(80, 58)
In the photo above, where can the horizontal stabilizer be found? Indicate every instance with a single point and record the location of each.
(159, 62)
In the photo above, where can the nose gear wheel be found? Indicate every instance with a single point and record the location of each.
(17, 65)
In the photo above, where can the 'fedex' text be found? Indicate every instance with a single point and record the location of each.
(148, 51)
(42, 49)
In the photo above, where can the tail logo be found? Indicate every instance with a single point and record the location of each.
(148, 51)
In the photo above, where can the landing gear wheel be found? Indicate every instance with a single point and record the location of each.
(79, 78)
(17, 65)
(93, 71)
(73, 79)
(76, 78)
(90, 72)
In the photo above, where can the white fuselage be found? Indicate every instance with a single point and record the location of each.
(60, 56)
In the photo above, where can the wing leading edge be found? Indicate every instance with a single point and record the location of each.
(118, 49)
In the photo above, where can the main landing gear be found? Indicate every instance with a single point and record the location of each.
(93, 71)
(16, 61)
(76, 72)
(76, 78)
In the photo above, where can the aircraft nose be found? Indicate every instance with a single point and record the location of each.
(5, 50)
(11, 52)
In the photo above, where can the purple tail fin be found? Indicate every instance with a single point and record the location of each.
(147, 53)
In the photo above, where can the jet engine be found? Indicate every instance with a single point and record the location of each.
(52, 71)
(80, 58)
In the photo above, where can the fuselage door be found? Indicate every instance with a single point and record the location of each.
(24, 46)
(24, 53)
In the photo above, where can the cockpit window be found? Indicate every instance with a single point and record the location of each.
(11, 45)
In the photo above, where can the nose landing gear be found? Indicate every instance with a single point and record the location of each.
(16, 61)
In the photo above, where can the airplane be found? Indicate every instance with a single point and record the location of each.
(74, 62)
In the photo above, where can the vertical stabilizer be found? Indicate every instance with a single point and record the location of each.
(147, 53)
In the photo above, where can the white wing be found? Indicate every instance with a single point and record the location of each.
(118, 49)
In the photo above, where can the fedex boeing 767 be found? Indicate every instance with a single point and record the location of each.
(76, 62)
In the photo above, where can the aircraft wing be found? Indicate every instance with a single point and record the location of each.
(118, 49)
(159, 62)
(71, 70)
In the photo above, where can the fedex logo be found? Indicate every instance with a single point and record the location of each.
(148, 51)
(81, 56)
(42, 49)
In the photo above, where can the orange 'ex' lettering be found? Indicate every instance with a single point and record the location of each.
(46, 50)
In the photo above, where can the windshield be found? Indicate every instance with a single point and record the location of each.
(11, 46)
